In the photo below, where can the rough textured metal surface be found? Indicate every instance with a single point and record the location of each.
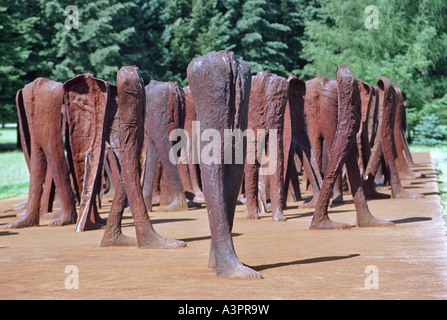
(39, 106)
(220, 86)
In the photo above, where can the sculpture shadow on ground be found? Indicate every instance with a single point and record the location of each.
(303, 261)
(411, 220)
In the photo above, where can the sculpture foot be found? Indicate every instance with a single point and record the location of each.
(199, 197)
(63, 221)
(51, 215)
(178, 204)
(410, 175)
(117, 239)
(24, 222)
(238, 270)
(370, 221)
(252, 215)
(405, 194)
(278, 216)
(156, 241)
(326, 223)
(148, 238)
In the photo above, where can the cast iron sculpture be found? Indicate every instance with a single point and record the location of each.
(344, 151)
(86, 100)
(268, 98)
(165, 107)
(39, 106)
(220, 86)
(321, 112)
(399, 138)
(368, 126)
(384, 144)
(297, 143)
(194, 170)
(131, 108)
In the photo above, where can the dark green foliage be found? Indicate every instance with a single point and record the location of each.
(409, 47)
(306, 38)
(429, 132)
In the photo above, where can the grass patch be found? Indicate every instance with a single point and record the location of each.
(8, 135)
(439, 157)
(14, 174)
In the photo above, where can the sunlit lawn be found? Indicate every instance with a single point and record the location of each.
(14, 174)
(8, 135)
(439, 157)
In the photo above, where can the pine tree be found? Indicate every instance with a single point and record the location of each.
(16, 25)
(104, 27)
(408, 47)
(257, 36)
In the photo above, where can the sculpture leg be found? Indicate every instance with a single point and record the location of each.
(56, 159)
(320, 219)
(397, 191)
(113, 236)
(131, 99)
(175, 183)
(277, 181)
(251, 190)
(194, 175)
(46, 203)
(364, 216)
(220, 85)
(310, 174)
(404, 171)
(150, 174)
(38, 167)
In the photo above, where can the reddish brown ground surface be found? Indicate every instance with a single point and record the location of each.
(296, 263)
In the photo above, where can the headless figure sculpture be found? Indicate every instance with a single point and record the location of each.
(220, 86)
(399, 138)
(344, 151)
(131, 106)
(42, 101)
(86, 100)
(321, 110)
(296, 142)
(164, 108)
(268, 98)
(194, 170)
(369, 116)
(384, 142)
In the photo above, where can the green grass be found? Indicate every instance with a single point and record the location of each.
(14, 174)
(439, 157)
(8, 135)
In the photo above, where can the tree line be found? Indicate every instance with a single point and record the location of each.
(305, 38)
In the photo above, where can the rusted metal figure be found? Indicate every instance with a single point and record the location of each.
(39, 107)
(268, 98)
(165, 108)
(384, 143)
(86, 100)
(220, 86)
(131, 108)
(345, 151)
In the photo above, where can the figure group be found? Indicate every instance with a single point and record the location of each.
(87, 135)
